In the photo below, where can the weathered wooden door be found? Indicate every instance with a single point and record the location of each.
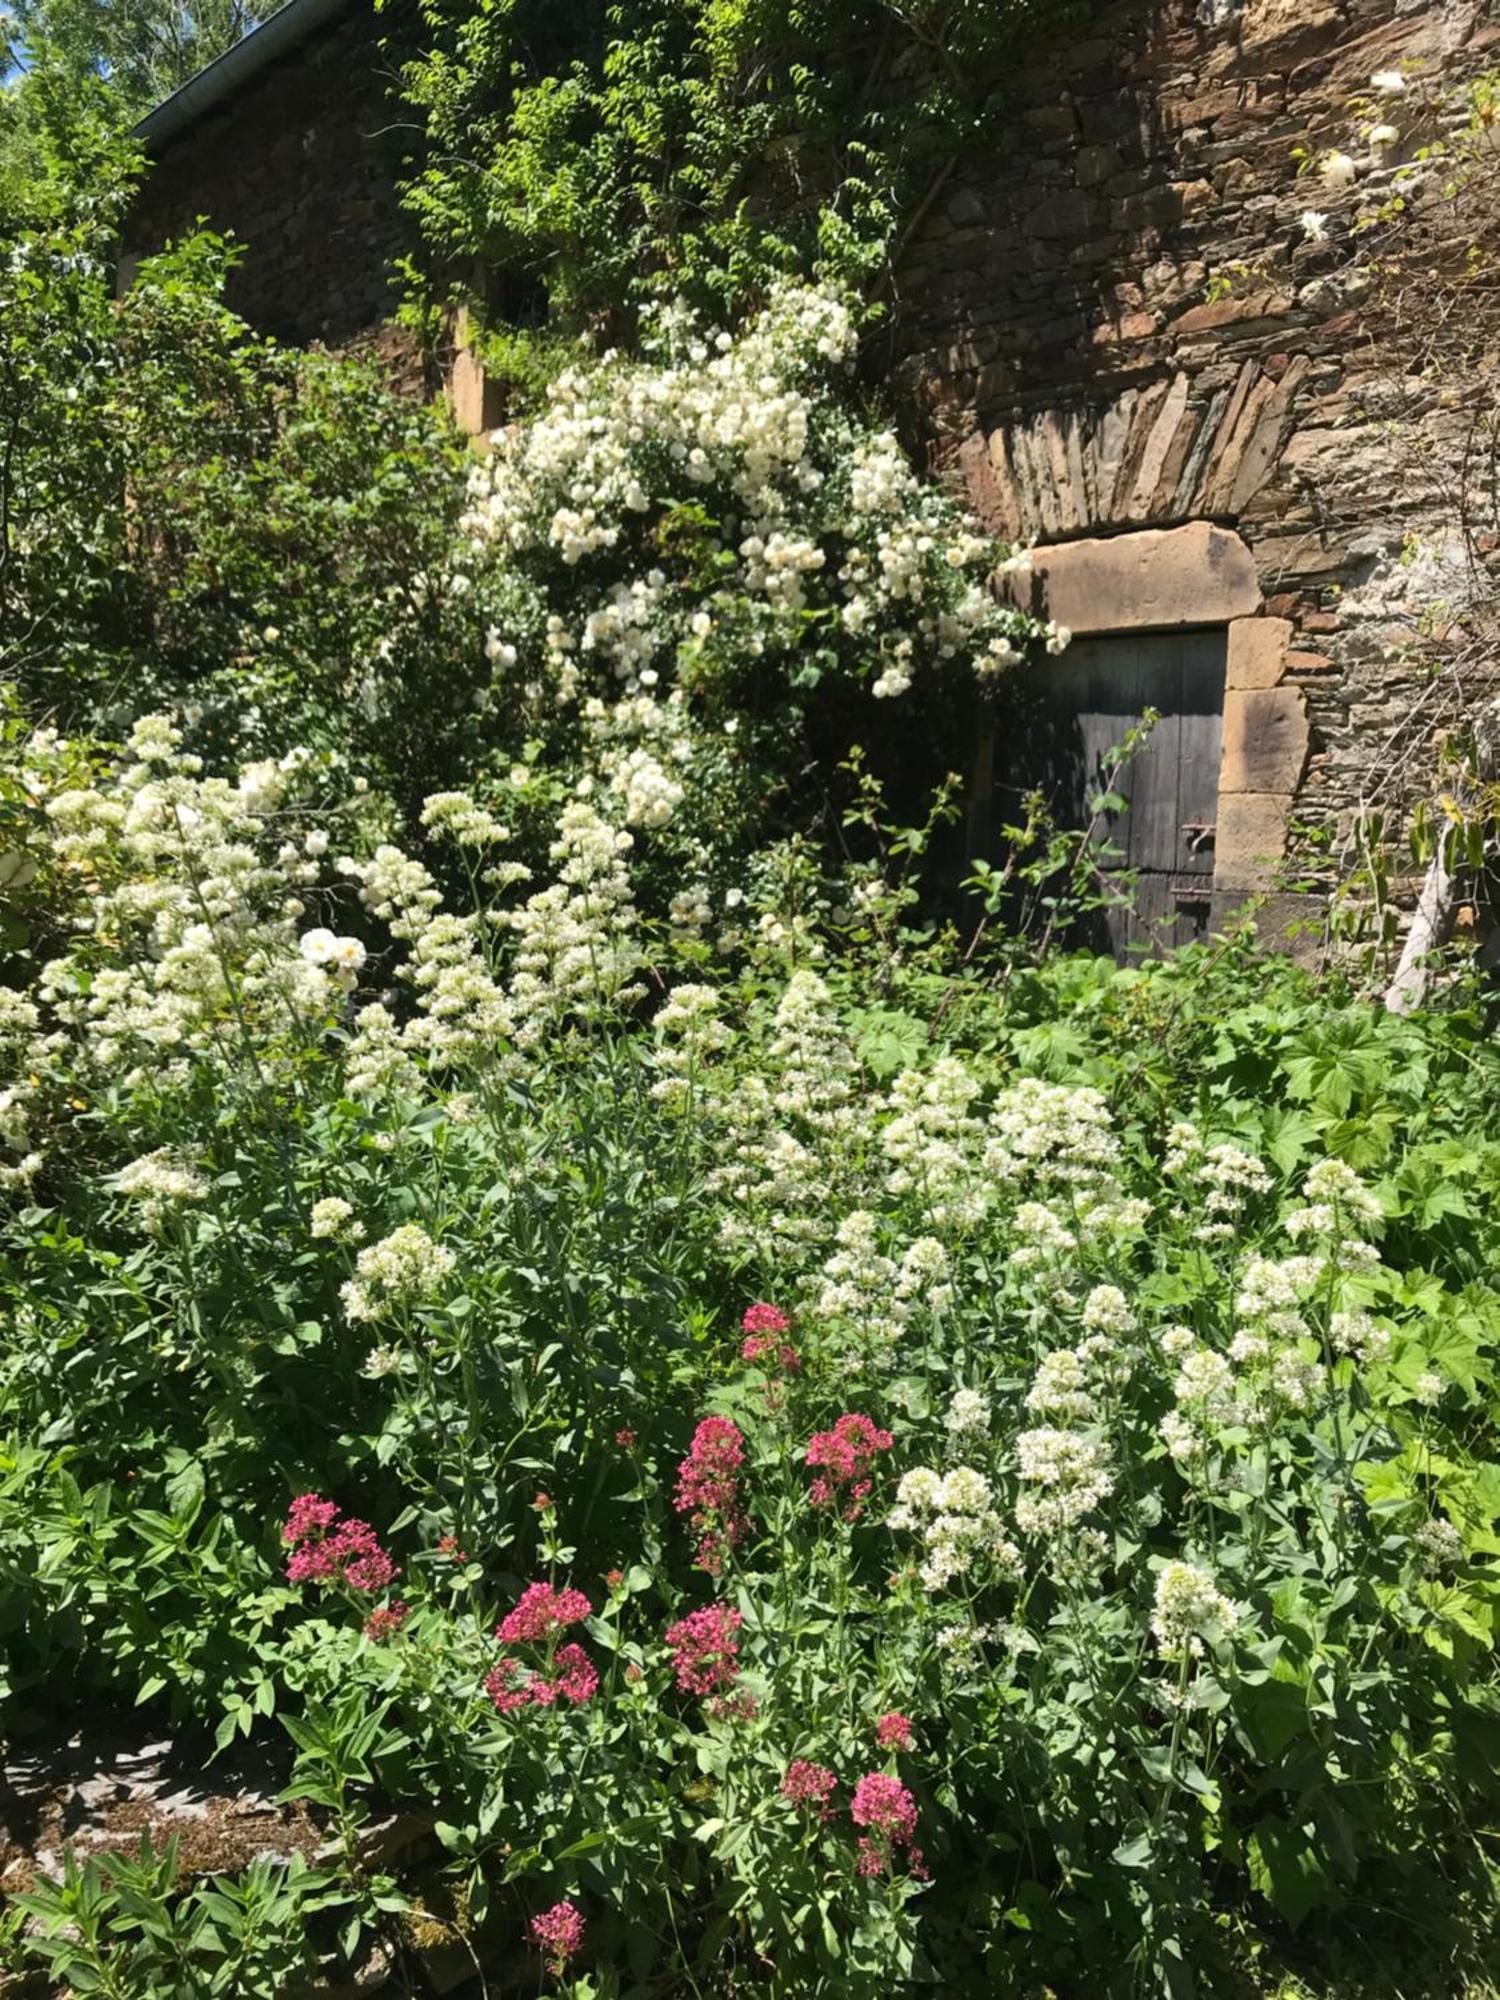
(1074, 711)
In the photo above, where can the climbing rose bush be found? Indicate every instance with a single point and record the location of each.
(958, 1484)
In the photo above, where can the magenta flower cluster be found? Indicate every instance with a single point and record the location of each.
(564, 1673)
(569, 1676)
(763, 1327)
(328, 1549)
(807, 1784)
(558, 1935)
(541, 1612)
(708, 1490)
(887, 1811)
(844, 1459)
(705, 1649)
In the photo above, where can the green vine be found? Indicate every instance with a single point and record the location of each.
(588, 159)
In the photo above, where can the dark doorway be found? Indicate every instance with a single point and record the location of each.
(1070, 712)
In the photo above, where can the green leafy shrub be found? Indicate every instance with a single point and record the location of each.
(193, 515)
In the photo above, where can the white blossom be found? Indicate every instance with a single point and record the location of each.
(1188, 1608)
(403, 1270)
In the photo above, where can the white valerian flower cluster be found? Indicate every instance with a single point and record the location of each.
(1061, 1387)
(187, 944)
(1058, 1143)
(464, 822)
(932, 1141)
(1227, 1177)
(1189, 1608)
(1339, 1207)
(20, 1025)
(873, 1297)
(402, 1271)
(954, 1515)
(161, 1183)
(810, 513)
(1285, 1307)
(1071, 1474)
(1043, 1238)
(577, 950)
(968, 1415)
(786, 1149)
(187, 947)
(1106, 1314)
(463, 1012)
(691, 1035)
(334, 1218)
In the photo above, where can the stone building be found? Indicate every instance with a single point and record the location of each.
(1152, 333)
(291, 143)
(1152, 346)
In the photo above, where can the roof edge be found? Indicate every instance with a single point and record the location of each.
(280, 31)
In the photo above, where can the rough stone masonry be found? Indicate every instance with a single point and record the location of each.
(1147, 308)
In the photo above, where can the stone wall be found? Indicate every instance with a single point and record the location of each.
(299, 164)
(1114, 323)
(1118, 321)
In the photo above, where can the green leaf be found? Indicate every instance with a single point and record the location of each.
(1286, 1868)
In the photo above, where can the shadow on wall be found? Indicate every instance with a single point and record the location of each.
(1108, 320)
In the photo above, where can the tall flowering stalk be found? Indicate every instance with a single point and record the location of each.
(708, 1491)
(844, 1460)
(764, 1328)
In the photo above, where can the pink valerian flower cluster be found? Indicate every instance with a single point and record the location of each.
(386, 1620)
(326, 1549)
(888, 1813)
(565, 1674)
(763, 1327)
(893, 1731)
(810, 1785)
(542, 1612)
(570, 1676)
(705, 1651)
(739, 1705)
(558, 1934)
(844, 1460)
(708, 1490)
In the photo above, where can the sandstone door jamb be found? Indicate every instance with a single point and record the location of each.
(1163, 579)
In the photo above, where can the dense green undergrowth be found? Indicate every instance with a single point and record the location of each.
(1081, 1554)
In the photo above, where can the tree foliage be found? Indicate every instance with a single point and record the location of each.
(599, 155)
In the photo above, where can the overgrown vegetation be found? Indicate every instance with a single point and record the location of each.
(1081, 1554)
(596, 158)
(557, 1264)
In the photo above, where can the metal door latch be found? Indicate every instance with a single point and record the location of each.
(1200, 833)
